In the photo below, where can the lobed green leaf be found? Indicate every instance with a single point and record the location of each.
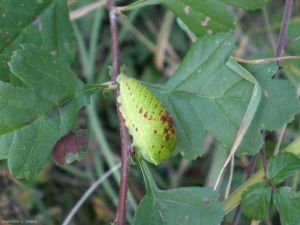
(194, 206)
(282, 166)
(43, 23)
(256, 200)
(202, 17)
(205, 16)
(36, 115)
(287, 203)
(206, 96)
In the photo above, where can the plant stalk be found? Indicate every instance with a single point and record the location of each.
(125, 141)
(283, 40)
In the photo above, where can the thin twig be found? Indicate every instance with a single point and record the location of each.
(78, 13)
(162, 39)
(175, 179)
(278, 144)
(125, 141)
(255, 222)
(171, 58)
(138, 34)
(88, 193)
(227, 192)
(266, 60)
(283, 40)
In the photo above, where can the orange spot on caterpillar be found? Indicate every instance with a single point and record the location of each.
(141, 110)
(146, 115)
(163, 118)
(167, 137)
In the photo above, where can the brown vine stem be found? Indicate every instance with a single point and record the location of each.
(281, 44)
(125, 141)
(283, 40)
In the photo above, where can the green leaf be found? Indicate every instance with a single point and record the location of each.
(277, 94)
(193, 88)
(190, 205)
(287, 203)
(193, 206)
(282, 166)
(255, 201)
(247, 4)
(43, 23)
(203, 16)
(206, 96)
(36, 115)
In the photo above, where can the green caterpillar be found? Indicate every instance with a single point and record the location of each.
(148, 121)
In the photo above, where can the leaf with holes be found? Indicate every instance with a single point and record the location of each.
(201, 17)
(205, 16)
(46, 106)
(148, 121)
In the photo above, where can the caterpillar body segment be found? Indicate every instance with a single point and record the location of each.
(148, 121)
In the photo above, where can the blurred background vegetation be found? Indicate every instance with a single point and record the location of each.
(152, 46)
